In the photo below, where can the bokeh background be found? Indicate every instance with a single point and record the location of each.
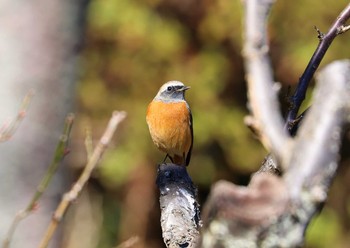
(131, 48)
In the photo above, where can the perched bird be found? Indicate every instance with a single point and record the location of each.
(169, 121)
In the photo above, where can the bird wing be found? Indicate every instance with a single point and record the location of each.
(188, 157)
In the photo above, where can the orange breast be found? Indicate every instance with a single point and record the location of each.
(169, 125)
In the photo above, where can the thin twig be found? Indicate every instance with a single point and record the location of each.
(343, 29)
(60, 152)
(131, 242)
(7, 130)
(70, 196)
(325, 41)
(88, 142)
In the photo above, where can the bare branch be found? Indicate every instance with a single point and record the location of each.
(88, 142)
(235, 216)
(72, 195)
(131, 242)
(342, 29)
(269, 165)
(262, 92)
(338, 27)
(180, 219)
(7, 130)
(60, 152)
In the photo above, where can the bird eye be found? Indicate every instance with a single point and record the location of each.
(169, 88)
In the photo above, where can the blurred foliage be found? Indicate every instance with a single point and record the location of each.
(132, 47)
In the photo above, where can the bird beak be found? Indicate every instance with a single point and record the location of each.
(184, 88)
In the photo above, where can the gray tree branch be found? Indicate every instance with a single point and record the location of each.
(262, 91)
(180, 218)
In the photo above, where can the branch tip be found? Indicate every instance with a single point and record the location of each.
(342, 29)
(320, 35)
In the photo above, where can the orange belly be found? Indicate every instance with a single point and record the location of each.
(169, 125)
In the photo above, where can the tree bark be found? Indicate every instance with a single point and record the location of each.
(180, 218)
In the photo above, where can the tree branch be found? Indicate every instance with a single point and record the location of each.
(72, 195)
(262, 92)
(7, 130)
(238, 216)
(338, 27)
(275, 212)
(180, 218)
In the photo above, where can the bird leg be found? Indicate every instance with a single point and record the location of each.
(167, 156)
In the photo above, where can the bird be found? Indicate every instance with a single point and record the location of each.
(170, 123)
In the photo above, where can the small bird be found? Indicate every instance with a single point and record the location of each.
(169, 120)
